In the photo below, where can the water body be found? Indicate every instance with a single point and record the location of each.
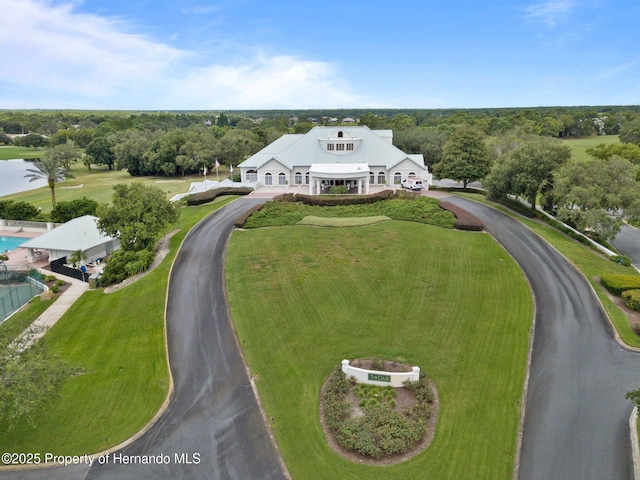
(12, 179)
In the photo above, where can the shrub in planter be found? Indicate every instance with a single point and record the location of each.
(338, 190)
(617, 283)
(632, 299)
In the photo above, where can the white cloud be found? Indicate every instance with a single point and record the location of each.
(76, 60)
(551, 13)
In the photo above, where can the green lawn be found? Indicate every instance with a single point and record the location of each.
(98, 186)
(453, 303)
(591, 263)
(120, 345)
(580, 145)
(11, 153)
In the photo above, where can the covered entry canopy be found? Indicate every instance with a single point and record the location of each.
(339, 171)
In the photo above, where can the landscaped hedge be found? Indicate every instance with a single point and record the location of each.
(242, 219)
(325, 201)
(210, 195)
(382, 430)
(464, 219)
(618, 283)
(632, 299)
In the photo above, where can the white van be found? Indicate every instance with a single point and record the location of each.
(412, 183)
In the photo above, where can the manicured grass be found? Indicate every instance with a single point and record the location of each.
(118, 341)
(422, 209)
(454, 303)
(98, 186)
(11, 153)
(579, 146)
(591, 263)
(341, 222)
(18, 322)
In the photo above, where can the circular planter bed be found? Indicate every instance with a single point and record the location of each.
(378, 425)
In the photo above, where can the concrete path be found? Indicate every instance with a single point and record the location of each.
(576, 423)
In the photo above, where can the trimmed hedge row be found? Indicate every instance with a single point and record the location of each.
(324, 201)
(618, 283)
(464, 219)
(242, 219)
(632, 299)
(210, 195)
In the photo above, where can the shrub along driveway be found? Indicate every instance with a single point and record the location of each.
(576, 423)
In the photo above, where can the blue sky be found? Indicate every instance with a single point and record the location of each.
(256, 54)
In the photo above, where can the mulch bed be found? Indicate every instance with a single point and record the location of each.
(464, 219)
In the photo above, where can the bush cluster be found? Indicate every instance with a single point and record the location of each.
(618, 283)
(324, 201)
(13, 210)
(632, 299)
(210, 195)
(621, 260)
(464, 219)
(382, 430)
(124, 264)
(65, 211)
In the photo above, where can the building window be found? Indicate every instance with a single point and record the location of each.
(268, 179)
(349, 146)
(397, 178)
(340, 134)
(340, 146)
(306, 178)
(412, 174)
(252, 176)
(381, 178)
(330, 146)
(282, 179)
(372, 178)
(298, 178)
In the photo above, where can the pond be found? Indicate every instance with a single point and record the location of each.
(12, 179)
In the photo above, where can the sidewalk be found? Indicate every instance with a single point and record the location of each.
(58, 308)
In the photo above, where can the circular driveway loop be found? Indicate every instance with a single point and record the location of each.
(576, 422)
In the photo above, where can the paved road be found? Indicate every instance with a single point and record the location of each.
(627, 242)
(576, 422)
(213, 411)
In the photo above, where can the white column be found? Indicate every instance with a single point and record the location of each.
(311, 185)
(366, 185)
(359, 186)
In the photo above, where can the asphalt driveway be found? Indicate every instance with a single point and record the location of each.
(576, 422)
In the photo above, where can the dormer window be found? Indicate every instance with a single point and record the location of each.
(340, 142)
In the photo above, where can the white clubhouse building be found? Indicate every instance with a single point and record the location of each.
(355, 157)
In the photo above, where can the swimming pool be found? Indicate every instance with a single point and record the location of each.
(10, 243)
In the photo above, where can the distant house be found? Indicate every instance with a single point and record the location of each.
(355, 157)
(81, 233)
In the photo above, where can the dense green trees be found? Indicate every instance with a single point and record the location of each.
(65, 211)
(100, 149)
(597, 195)
(527, 170)
(464, 158)
(137, 215)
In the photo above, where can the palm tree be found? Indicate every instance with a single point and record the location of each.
(50, 168)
